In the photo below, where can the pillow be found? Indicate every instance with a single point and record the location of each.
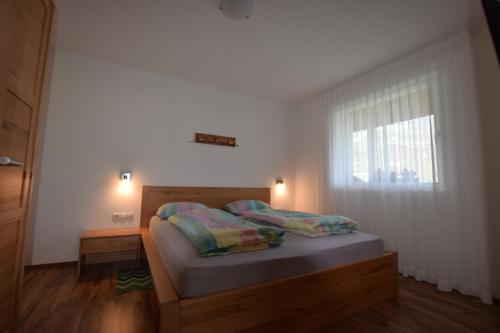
(238, 207)
(178, 207)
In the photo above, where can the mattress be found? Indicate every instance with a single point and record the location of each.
(193, 275)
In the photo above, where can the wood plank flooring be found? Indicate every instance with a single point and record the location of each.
(55, 300)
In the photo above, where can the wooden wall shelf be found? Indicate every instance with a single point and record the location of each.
(212, 139)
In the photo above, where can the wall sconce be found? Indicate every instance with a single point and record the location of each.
(125, 182)
(280, 186)
(126, 176)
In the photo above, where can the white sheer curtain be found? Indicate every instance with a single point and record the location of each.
(403, 159)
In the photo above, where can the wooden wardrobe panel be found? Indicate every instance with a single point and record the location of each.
(6, 40)
(15, 125)
(24, 43)
(8, 246)
(29, 28)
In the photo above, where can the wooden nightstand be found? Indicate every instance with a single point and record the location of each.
(109, 245)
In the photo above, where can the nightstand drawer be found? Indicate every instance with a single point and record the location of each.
(110, 244)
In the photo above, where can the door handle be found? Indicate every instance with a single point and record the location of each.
(7, 161)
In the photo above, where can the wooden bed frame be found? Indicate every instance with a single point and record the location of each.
(298, 303)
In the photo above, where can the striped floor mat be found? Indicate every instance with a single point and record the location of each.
(133, 280)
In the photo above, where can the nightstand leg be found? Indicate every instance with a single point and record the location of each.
(138, 263)
(79, 258)
(79, 264)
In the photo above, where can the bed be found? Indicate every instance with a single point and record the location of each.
(302, 285)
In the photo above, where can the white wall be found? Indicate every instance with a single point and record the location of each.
(103, 117)
(306, 157)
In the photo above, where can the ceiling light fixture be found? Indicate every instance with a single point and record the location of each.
(237, 9)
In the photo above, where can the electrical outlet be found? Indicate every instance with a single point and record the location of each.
(122, 216)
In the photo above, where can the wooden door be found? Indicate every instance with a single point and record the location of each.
(25, 47)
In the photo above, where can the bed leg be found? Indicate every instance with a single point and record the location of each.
(170, 318)
(396, 274)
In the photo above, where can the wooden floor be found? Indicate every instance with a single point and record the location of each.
(55, 300)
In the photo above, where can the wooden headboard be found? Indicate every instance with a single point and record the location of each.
(215, 197)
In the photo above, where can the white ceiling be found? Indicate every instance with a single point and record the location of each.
(288, 50)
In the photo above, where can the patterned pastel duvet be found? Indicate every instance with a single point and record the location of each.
(215, 232)
(311, 225)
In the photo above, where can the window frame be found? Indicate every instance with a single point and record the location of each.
(360, 105)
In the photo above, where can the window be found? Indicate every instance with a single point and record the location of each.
(394, 139)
